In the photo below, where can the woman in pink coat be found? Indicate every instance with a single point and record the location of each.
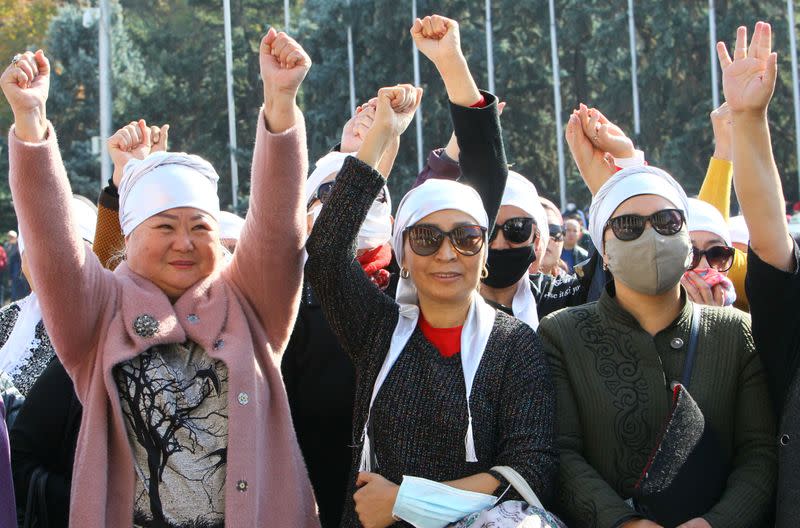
(174, 356)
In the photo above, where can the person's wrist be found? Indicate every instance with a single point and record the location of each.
(748, 115)
(723, 152)
(30, 125)
(448, 62)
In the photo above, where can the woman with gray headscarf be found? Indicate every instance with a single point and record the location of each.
(630, 367)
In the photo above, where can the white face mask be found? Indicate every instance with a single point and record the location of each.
(428, 504)
(377, 227)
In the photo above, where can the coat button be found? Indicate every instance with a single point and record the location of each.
(218, 344)
(785, 440)
(193, 318)
(676, 343)
(244, 399)
(241, 486)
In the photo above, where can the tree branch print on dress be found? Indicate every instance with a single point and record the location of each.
(174, 401)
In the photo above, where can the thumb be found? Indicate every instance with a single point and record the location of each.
(364, 478)
(42, 62)
(772, 70)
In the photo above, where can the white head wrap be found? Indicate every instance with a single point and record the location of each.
(165, 180)
(377, 227)
(85, 217)
(705, 217)
(628, 183)
(520, 192)
(739, 232)
(435, 195)
(230, 225)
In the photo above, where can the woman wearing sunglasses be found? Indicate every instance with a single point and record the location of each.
(447, 387)
(615, 363)
(515, 243)
(713, 254)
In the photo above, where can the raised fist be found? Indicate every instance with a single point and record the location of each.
(396, 107)
(284, 64)
(135, 141)
(438, 38)
(26, 84)
(356, 128)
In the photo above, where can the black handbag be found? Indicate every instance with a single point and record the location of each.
(686, 473)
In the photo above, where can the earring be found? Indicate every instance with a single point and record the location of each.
(484, 272)
(404, 273)
(605, 266)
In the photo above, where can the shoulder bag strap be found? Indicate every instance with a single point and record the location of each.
(691, 352)
(519, 484)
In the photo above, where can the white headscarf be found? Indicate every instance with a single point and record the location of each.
(165, 180)
(739, 232)
(520, 192)
(377, 227)
(230, 226)
(705, 217)
(21, 342)
(628, 183)
(435, 195)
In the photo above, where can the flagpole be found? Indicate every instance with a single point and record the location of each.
(795, 86)
(634, 69)
(418, 116)
(712, 52)
(562, 180)
(489, 47)
(232, 147)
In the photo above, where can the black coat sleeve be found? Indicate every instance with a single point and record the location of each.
(482, 157)
(773, 296)
(44, 435)
(353, 306)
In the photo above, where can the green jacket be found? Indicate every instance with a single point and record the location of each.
(612, 380)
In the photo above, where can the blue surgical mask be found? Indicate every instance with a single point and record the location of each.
(428, 504)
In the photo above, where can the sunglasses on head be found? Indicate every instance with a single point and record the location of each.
(426, 239)
(515, 230)
(631, 226)
(323, 194)
(556, 232)
(718, 257)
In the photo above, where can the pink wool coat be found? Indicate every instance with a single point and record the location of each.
(242, 315)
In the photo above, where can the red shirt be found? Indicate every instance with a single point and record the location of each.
(446, 340)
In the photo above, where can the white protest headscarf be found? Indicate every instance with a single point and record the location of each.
(520, 192)
(738, 228)
(230, 225)
(705, 217)
(22, 341)
(431, 196)
(628, 183)
(165, 180)
(377, 227)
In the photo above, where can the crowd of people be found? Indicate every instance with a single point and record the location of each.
(479, 358)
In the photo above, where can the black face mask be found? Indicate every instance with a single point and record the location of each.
(507, 266)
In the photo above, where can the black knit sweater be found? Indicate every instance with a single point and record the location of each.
(419, 418)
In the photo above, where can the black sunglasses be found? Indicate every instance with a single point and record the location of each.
(556, 232)
(718, 257)
(323, 194)
(426, 239)
(516, 230)
(631, 226)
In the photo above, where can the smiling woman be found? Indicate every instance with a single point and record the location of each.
(174, 353)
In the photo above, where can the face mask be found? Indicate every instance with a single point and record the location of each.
(652, 263)
(377, 227)
(508, 266)
(428, 504)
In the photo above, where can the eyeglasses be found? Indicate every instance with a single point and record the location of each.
(556, 232)
(516, 230)
(631, 226)
(323, 194)
(718, 257)
(426, 239)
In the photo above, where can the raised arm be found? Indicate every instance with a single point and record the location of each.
(597, 145)
(748, 81)
(61, 265)
(475, 114)
(267, 265)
